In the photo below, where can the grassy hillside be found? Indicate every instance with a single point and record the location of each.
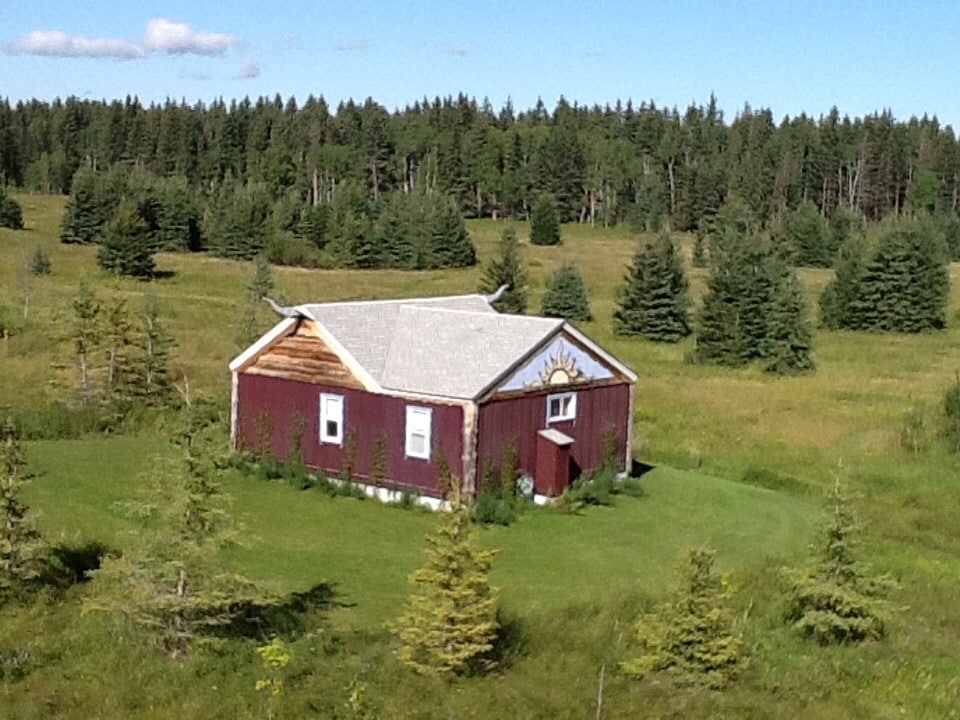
(744, 457)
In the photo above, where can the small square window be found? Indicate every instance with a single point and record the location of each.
(561, 407)
(331, 419)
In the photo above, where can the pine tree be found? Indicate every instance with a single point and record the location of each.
(168, 581)
(153, 343)
(22, 550)
(507, 269)
(653, 302)
(545, 221)
(125, 245)
(835, 600)
(692, 637)
(450, 623)
(566, 295)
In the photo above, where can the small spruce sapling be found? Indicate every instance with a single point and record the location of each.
(693, 636)
(22, 550)
(836, 600)
(449, 626)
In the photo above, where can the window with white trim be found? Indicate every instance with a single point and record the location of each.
(331, 418)
(561, 407)
(419, 422)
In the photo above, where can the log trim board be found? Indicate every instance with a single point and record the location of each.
(304, 356)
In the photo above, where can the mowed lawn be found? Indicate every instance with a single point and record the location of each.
(295, 539)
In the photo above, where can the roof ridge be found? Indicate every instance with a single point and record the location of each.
(394, 301)
(461, 311)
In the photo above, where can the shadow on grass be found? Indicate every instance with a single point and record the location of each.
(70, 565)
(285, 617)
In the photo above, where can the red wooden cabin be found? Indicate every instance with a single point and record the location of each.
(389, 387)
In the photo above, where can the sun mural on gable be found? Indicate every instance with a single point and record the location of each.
(560, 363)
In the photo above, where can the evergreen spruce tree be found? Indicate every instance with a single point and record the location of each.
(89, 208)
(545, 221)
(566, 295)
(451, 245)
(692, 637)
(654, 299)
(754, 308)
(901, 285)
(835, 600)
(153, 344)
(449, 625)
(838, 297)
(507, 269)
(789, 328)
(260, 285)
(85, 336)
(809, 236)
(125, 244)
(118, 340)
(11, 215)
(39, 262)
(168, 580)
(22, 550)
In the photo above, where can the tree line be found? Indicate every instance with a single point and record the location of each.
(619, 163)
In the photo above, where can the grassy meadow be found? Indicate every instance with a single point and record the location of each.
(743, 459)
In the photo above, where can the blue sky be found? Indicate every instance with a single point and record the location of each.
(788, 56)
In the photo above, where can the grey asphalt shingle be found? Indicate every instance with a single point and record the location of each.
(448, 346)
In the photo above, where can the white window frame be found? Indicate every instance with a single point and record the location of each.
(419, 422)
(326, 416)
(570, 414)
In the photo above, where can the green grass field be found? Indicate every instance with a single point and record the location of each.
(743, 459)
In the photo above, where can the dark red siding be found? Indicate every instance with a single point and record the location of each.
(267, 403)
(600, 410)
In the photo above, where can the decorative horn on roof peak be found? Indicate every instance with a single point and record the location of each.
(498, 294)
(282, 310)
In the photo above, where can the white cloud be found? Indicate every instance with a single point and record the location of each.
(172, 37)
(55, 43)
(161, 36)
(354, 45)
(250, 70)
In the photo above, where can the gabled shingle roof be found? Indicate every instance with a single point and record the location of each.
(447, 346)
(456, 346)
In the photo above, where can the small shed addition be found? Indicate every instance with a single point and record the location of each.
(396, 389)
